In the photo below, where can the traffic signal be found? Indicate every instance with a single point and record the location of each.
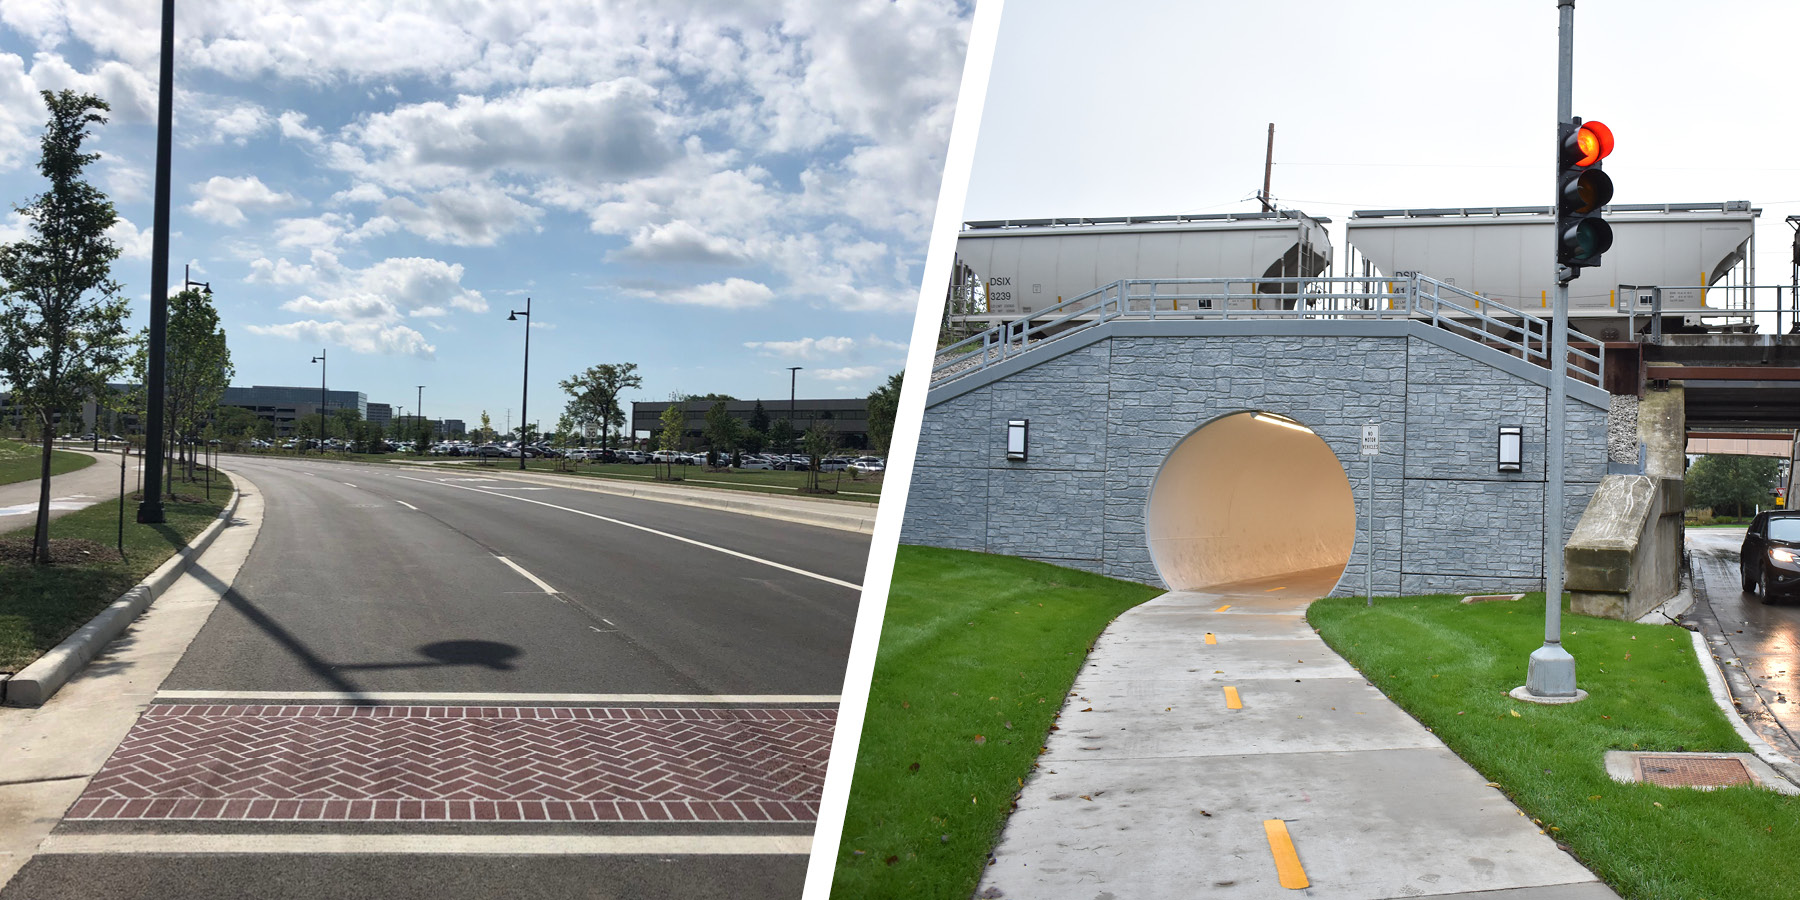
(1581, 190)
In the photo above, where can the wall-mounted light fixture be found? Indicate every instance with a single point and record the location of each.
(1512, 448)
(1017, 433)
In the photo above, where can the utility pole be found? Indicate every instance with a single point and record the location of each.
(150, 509)
(793, 376)
(320, 359)
(1550, 676)
(419, 408)
(1268, 169)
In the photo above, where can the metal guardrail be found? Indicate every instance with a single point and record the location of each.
(1419, 297)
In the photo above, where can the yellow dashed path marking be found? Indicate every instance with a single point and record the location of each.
(1287, 859)
(1223, 608)
(1231, 699)
(1211, 639)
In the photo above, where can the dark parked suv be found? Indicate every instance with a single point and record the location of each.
(1769, 562)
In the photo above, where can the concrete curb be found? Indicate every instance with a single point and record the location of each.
(37, 682)
(861, 520)
(1715, 681)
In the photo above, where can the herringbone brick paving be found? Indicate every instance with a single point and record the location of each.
(363, 763)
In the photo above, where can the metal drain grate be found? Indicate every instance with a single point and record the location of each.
(1688, 771)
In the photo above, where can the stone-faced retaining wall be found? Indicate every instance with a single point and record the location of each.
(1107, 407)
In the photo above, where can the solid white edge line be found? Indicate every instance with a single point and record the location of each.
(435, 844)
(674, 537)
(346, 484)
(530, 577)
(452, 698)
(959, 158)
(407, 505)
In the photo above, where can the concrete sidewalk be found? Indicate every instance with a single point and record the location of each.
(1153, 787)
(69, 491)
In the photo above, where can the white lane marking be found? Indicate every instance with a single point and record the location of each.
(528, 576)
(346, 484)
(307, 474)
(436, 844)
(57, 504)
(407, 505)
(674, 537)
(452, 698)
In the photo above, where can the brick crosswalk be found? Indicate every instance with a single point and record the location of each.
(350, 763)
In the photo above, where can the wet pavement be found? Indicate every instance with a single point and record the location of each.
(1758, 642)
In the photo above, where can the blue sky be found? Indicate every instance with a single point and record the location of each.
(712, 191)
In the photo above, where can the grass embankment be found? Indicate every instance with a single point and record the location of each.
(1450, 666)
(42, 605)
(977, 653)
(24, 462)
(842, 487)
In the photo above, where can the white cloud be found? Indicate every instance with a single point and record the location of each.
(132, 243)
(680, 242)
(223, 200)
(368, 337)
(849, 373)
(732, 293)
(365, 309)
(826, 347)
(292, 126)
(476, 215)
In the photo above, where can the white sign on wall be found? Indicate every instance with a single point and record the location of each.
(1371, 440)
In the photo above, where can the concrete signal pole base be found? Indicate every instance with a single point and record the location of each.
(1550, 678)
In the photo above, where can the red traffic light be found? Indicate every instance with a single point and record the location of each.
(1593, 142)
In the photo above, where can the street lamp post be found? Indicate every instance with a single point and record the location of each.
(320, 359)
(525, 379)
(419, 410)
(150, 510)
(793, 376)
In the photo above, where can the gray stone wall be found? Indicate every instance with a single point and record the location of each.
(1104, 417)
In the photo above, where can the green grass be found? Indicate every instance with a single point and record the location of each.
(1450, 666)
(972, 645)
(42, 605)
(24, 462)
(788, 484)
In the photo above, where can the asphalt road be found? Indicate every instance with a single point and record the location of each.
(373, 579)
(370, 578)
(1759, 642)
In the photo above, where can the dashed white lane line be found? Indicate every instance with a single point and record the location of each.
(407, 505)
(528, 576)
(674, 537)
(346, 484)
(454, 844)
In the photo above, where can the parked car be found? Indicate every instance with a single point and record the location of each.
(868, 464)
(833, 464)
(1769, 561)
(761, 463)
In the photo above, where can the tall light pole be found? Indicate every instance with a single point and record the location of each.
(320, 359)
(1550, 674)
(150, 510)
(525, 379)
(419, 408)
(793, 376)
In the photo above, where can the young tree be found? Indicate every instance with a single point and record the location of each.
(819, 441)
(62, 323)
(758, 433)
(722, 431)
(674, 422)
(884, 403)
(485, 433)
(198, 366)
(781, 436)
(595, 396)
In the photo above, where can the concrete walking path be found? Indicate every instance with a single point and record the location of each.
(1154, 787)
(69, 491)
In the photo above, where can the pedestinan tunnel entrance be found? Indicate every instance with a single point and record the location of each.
(1248, 497)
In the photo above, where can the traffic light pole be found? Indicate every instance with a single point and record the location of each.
(1550, 677)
